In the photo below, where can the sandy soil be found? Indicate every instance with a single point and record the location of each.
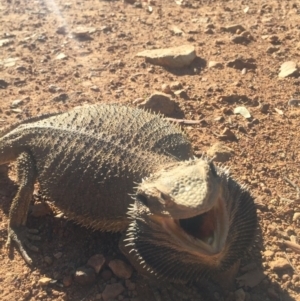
(40, 60)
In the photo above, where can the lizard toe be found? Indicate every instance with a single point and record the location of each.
(21, 238)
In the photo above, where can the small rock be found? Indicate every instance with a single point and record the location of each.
(288, 69)
(6, 42)
(220, 152)
(112, 291)
(60, 97)
(48, 260)
(16, 103)
(61, 30)
(193, 30)
(210, 25)
(137, 4)
(241, 64)
(239, 295)
(269, 253)
(294, 102)
(95, 88)
(176, 86)
(17, 111)
(182, 93)
(219, 42)
(244, 71)
(246, 34)
(273, 39)
(234, 98)
(220, 119)
(242, 111)
(26, 294)
(227, 134)
(233, 28)
(21, 68)
(279, 264)
(67, 280)
(175, 57)
(61, 56)
(253, 122)
(58, 255)
(130, 285)
(251, 278)
(264, 107)
(120, 268)
(3, 83)
(82, 32)
(239, 39)
(54, 89)
(296, 216)
(176, 30)
(272, 49)
(180, 2)
(215, 65)
(246, 9)
(159, 103)
(165, 88)
(280, 112)
(44, 281)
(85, 275)
(9, 62)
(209, 31)
(96, 261)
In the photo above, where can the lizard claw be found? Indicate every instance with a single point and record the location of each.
(21, 237)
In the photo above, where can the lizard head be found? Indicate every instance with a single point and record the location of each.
(187, 219)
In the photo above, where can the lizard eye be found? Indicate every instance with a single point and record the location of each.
(142, 199)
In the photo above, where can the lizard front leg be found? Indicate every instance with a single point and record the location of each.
(17, 231)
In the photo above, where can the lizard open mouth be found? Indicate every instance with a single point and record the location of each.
(209, 228)
(201, 226)
(205, 233)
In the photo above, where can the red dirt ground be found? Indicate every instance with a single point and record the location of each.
(105, 69)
